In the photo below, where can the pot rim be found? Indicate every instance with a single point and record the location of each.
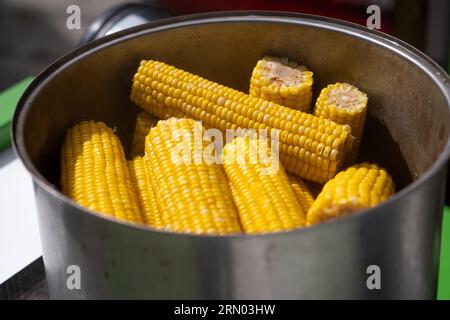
(406, 51)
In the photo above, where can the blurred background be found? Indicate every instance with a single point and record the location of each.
(33, 33)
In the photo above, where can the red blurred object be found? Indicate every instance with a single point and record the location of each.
(348, 10)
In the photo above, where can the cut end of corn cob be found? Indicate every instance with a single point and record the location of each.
(263, 195)
(310, 147)
(358, 187)
(346, 105)
(192, 196)
(144, 122)
(282, 81)
(94, 172)
(140, 176)
(303, 194)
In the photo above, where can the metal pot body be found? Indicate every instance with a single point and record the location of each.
(407, 131)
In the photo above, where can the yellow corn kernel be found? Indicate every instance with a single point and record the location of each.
(144, 121)
(304, 196)
(94, 172)
(344, 104)
(282, 81)
(358, 187)
(310, 147)
(192, 196)
(147, 202)
(261, 188)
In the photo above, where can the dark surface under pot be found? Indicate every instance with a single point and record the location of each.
(409, 116)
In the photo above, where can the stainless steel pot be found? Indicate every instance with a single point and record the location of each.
(407, 131)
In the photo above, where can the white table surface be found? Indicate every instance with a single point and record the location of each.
(19, 235)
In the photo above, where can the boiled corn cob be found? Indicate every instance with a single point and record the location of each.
(282, 81)
(261, 190)
(310, 147)
(147, 202)
(304, 196)
(94, 172)
(358, 187)
(144, 121)
(344, 104)
(192, 196)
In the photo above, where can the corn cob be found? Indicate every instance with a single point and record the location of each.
(262, 194)
(310, 147)
(191, 196)
(282, 81)
(358, 187)
(147, 202)
(144, 121)
(344, 104)
(94, 171)
(304, 196)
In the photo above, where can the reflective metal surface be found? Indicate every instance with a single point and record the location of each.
(407, 131)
